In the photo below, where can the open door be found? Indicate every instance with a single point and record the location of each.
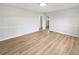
(41, 25)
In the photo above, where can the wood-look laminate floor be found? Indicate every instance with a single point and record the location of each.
(41, 43)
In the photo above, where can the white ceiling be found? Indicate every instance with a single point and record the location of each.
(48, 8)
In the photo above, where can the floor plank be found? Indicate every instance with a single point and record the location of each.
(41, 43)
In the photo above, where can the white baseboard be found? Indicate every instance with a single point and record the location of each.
(36, 31)
(67, 34)
(16, 36)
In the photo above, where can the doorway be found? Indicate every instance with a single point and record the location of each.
(47, 23)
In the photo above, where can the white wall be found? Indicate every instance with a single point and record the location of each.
(65, 21)
(17, 21)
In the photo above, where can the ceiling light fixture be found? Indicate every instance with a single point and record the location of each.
(42, 4)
